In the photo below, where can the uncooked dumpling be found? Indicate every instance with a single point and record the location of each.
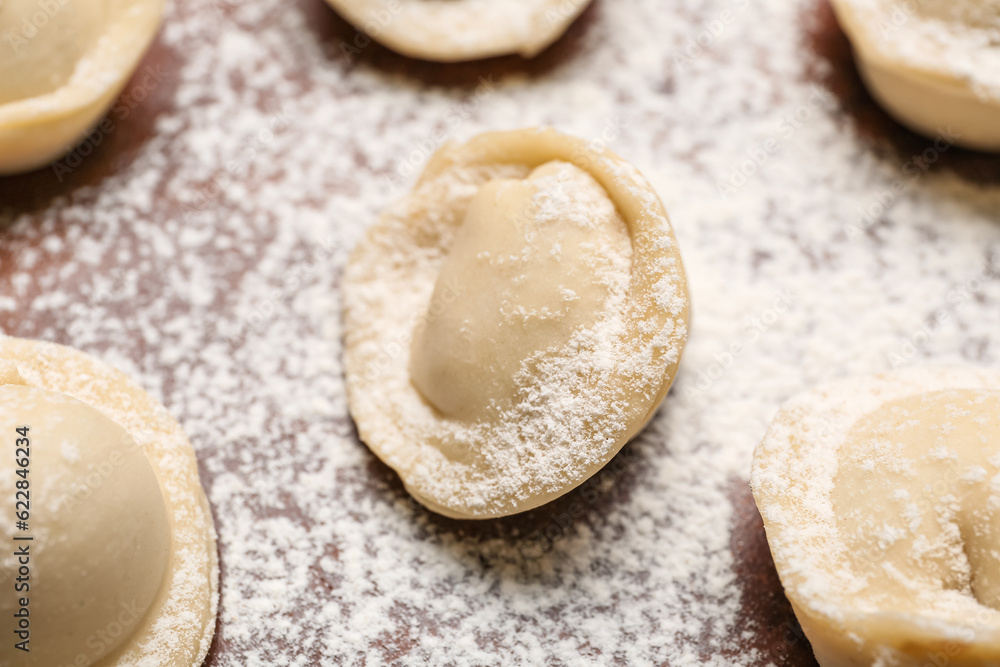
(933, 64)
(454, 30)
(64, 63)
(108, 526)
(513, 322)
(100, 538)
(881, 500)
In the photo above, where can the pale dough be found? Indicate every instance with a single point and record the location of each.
(64, 63)
(123, 558)
(881, 501)
(527, 266)
(933, 64)
(512, 323)
(455, 30)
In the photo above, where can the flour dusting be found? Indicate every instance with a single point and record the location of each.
(208, 263)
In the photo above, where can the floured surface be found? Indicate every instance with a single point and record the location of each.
(200, 247)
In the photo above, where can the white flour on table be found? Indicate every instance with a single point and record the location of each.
(230, 313)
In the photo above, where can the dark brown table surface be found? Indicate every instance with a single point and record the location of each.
(136, 317)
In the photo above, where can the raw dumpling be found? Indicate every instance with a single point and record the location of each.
(881, 500)
(513, 322)
(933, 64)
(454, 30)
(64, 63)
(107, 527)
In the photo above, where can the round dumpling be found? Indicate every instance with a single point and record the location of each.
(455, 30)
(934, 64)
(67, 61)
(111, 552)
(881, 501)
(97, 536)
(513, 322)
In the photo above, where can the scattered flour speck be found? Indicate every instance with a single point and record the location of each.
(208, 264)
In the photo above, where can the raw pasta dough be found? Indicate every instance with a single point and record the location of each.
(513, 322)
(454, 30)
(122, 561)
(881, 500)
(67, 61)
(933, 64)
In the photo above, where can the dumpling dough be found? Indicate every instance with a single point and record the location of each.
(881, 501)
(100, 546)
(123, 567)
(512, 323)
(933, 64)
(64, 63)
(455, 30)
